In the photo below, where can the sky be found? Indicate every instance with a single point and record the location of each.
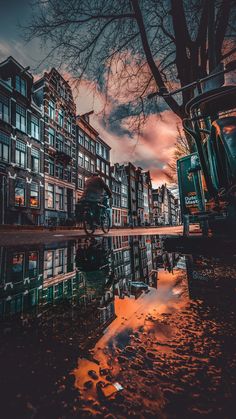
(152, 150)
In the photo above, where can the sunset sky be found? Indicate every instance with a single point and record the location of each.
(151, 150)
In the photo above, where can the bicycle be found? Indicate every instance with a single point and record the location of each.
(91, 220)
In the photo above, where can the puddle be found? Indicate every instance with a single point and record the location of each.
(116, 327)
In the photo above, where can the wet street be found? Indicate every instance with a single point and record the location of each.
(116, 327)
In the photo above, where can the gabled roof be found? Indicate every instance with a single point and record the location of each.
(10, 59)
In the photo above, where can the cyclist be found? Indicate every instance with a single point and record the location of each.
(95, 190)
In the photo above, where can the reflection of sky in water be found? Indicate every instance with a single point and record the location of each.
(136, 315)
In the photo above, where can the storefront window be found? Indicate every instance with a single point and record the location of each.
(20, 192)
(34, 195)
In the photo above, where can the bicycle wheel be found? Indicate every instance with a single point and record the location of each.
(88, 224)
(105, 222)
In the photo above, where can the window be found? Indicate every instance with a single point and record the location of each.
(50, 196)
(68, 147)
(34, 195)
(17, 267)
(61, 117)
(4, 146)
(60, 261)
(80, 181)
(35, 159)
(34, 127)
(20, 153)
(107, 154)
(49, 264)
(59, 142)
(103, 167)
(98, 164)
(51, 167)
(69, 174)
(107, 182)
(92, 166)
(107, 170)
(86, 163)
(33, 264)
(92, 146)
(81, 137)
(51, 137)
(20, 118)
(21, 85)
(51, 109)
(81, 159)
(60, 171)
(69, 124)
(98, 148)
(4, 108)
(61, 198)
(20, 192)
(86, 142)
(102, 151)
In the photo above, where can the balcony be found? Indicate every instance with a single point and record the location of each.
(63, 156)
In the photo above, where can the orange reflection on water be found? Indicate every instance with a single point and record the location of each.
(140, 317)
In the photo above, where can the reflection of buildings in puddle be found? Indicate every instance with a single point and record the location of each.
(35, 277)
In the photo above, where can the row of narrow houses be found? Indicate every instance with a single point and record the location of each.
(165, 205)
(47, 152)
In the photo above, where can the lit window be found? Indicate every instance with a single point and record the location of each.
(20, 192)
(34, 195)
(21, 85)
(4, 108)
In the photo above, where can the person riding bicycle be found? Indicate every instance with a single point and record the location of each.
(95, 190)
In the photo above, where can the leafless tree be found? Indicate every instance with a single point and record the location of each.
(182, 148)
(133, 47)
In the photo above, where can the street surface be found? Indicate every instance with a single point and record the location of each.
(12, 237)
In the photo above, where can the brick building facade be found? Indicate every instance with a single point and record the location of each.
(21, 147)
(54, 95)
